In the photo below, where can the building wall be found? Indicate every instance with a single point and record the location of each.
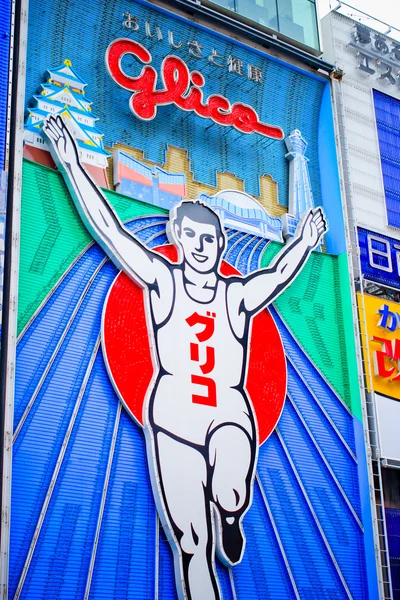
(368, 136)
(361, 133)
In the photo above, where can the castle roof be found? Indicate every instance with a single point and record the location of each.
(66, 73)
(64, 104)
(93, 148)
(51, 88)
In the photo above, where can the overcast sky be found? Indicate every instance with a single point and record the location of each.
(385, 10)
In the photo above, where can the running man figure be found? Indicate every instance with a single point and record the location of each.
(200, 428)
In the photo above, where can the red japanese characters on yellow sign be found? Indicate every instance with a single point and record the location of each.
(382, 320)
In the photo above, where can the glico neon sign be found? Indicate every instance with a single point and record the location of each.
(180, 87)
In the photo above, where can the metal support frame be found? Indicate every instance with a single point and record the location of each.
(345, 5)
(11, 269)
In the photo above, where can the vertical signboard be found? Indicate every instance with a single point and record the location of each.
(382, 323)
(382, 330)
(187, 419)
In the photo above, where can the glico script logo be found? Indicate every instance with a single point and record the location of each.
(180, 87)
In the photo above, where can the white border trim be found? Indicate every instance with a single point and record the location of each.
(11, 341)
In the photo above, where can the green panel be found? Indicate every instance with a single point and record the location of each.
(350, 335)
(52, 234)
(312, 308)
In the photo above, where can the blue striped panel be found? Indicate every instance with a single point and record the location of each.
(232, 239)
(160, 240)
(38, 444)
(80, 484)
(149, 231)
(145, 227)
(243, 265)
(315, 382)
(48, 326)
(234, 249)
(393, 531)
(166, 580)
(343, 533)
(387, 111)
(262, 573)
(224, 581)
(125, 566)
(311, 565)
(255, 259)
(338, 457)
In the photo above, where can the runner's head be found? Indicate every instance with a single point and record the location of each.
(198, 231)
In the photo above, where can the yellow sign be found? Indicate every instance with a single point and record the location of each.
(382, 320)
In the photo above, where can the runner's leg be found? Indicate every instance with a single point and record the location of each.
(232, 455)
(182, 475)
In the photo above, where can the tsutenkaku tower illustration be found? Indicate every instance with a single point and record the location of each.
(64, 94)
(300, 193)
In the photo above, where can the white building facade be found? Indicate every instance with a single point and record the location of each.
(366, 94)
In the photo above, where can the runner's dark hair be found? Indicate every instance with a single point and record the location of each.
(197, 211)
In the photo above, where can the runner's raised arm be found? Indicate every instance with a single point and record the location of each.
(141, 264)
(262, 287)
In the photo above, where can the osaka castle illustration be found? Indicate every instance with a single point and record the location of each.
(64, 94)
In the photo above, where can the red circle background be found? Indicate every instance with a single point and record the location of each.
(126, 344)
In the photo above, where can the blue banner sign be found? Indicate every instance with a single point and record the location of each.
(380, 258)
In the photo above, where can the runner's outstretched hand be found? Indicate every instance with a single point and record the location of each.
(61, 140)
(314, 227)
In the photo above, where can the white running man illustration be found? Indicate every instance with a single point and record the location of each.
(200, 427)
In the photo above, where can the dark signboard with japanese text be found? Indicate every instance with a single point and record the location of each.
(380, 258)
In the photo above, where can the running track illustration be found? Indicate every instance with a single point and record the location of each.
(84, 523)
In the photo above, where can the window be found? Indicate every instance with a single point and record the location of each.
(391, 490)
(387, 114)
(296, 19)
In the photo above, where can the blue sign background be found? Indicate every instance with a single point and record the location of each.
(83, 37)
(5, 34)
